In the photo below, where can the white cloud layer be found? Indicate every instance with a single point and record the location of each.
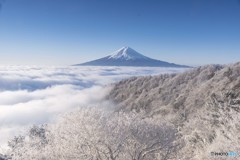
(35, 95)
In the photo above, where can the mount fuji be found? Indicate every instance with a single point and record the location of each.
(127, 56)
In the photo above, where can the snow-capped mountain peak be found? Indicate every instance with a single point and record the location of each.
(127, 56)
(126, 53)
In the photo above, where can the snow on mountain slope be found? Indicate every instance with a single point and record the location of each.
(203, 103)
(126, 56)
(126, 53)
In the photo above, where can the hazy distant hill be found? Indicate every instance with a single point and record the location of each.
(203, 103)
(126, 56)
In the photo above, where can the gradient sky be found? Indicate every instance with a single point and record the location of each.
(64, 32)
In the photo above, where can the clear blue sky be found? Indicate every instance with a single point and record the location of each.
(64, 32)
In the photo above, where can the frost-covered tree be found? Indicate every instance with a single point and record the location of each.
(29, 146)
(93, 134)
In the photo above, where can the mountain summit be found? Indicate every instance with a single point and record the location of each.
(126, 53)
(127, 56)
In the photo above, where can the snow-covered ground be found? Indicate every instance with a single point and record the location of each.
(35, 95)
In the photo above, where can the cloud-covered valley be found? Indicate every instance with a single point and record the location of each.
(36, 95)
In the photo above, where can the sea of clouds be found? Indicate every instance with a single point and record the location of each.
(36, 95)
